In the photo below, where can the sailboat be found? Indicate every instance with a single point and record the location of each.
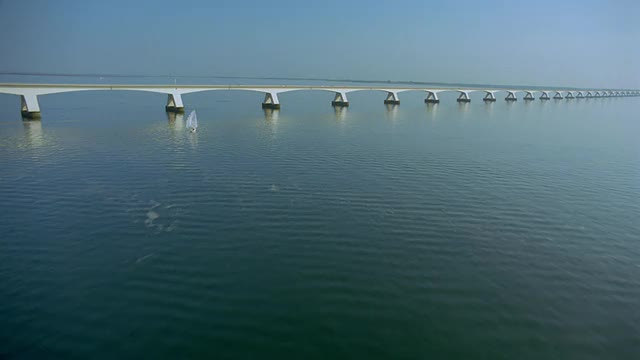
(192, 121)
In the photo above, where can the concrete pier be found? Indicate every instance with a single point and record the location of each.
(463, 97)
(340, 99)
(174, 103)
(432, 97)
(511, 96)
(392, 98)
(271, 101)
(29, 107)
(529, 96)
(558, 96)
(490, 97)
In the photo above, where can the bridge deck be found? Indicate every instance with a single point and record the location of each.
(30, 108)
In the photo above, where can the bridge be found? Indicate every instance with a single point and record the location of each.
(30, 107)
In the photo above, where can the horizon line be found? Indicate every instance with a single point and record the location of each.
(455, 84)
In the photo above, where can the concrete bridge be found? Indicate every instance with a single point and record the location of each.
(31, 109)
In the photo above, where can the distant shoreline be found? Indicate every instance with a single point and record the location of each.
(359, 81)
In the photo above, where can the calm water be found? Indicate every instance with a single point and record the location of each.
(450, 231)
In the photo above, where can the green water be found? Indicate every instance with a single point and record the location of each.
(477, 231)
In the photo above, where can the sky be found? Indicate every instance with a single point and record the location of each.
(544, 42)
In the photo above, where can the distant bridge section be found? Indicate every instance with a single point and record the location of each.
(30, 107)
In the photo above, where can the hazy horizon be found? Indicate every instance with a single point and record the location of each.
(573, 44)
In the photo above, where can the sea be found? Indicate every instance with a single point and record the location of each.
(506, 230)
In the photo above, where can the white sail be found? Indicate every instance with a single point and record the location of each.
(192, 121)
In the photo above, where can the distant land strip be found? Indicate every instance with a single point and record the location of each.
(359, 81)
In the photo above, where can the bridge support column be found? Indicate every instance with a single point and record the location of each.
(464, 97)
(490, 97)
(569, 95)
(432, 98)
(511, 96)
(580, 95)
(558, 96)
(29, 106)
(529, 96)
(340, 99)
(174, 103)
(271, 101)
(589, 95)
(392, 98)
(544, 96)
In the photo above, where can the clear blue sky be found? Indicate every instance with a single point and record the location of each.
(542, 42)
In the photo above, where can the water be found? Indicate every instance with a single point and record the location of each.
(447, 231)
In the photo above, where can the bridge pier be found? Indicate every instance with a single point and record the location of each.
(544, 96)
(432, 98)
(511, 96)
(569, 95)
(29, 107)
(558, 96)
(580, 95)
(340, 99)
(589, 95)
(392, 98)
(490, 97)
(529, 96)
(271, 101)
(463, 97)
(174, 103)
